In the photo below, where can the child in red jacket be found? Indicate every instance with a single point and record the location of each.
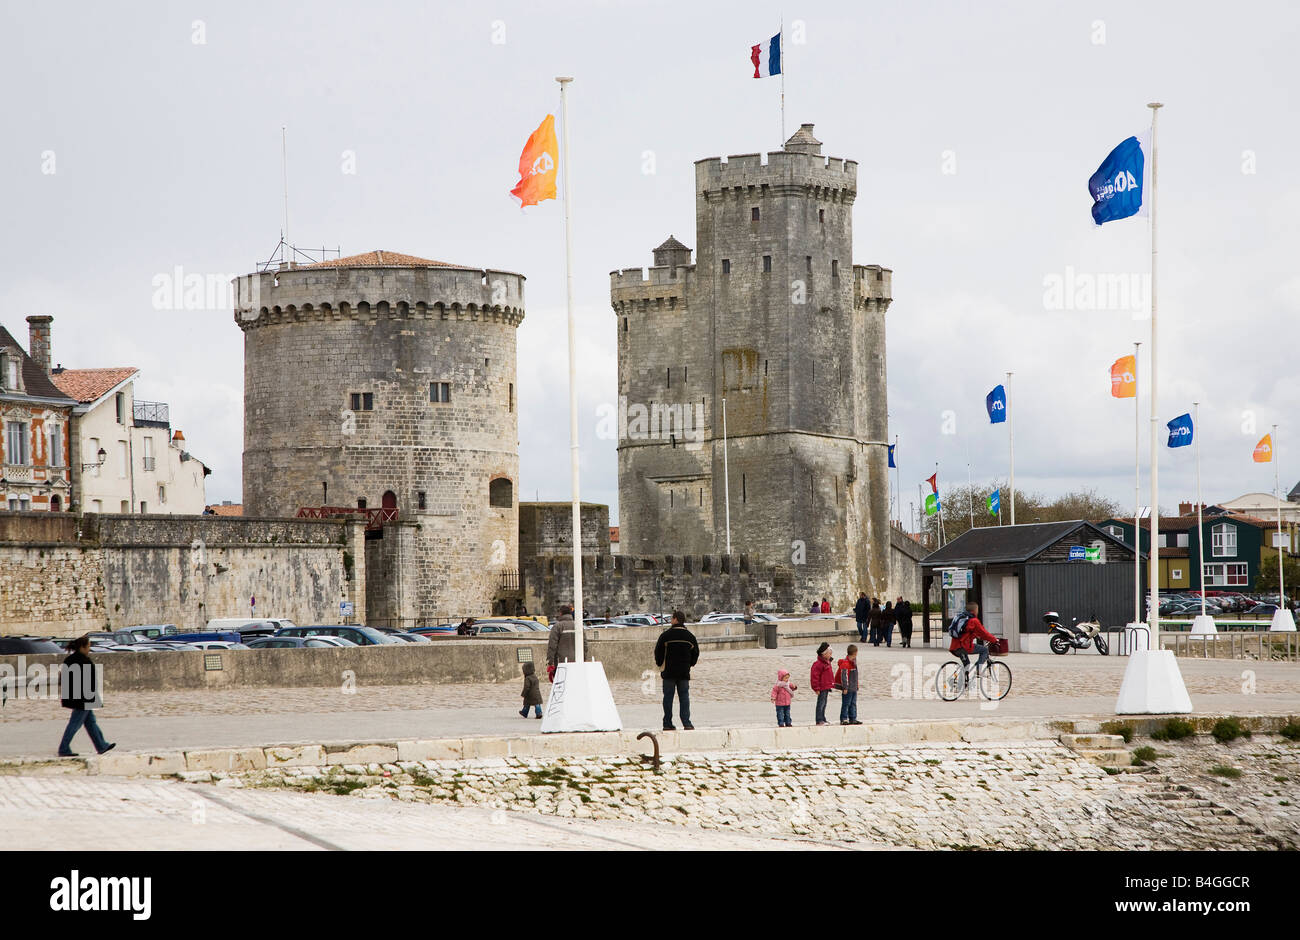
(822, 679)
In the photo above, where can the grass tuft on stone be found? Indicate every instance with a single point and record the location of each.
(1175, 729)
(1221, 770)
(1229, 729)
(1143, 755)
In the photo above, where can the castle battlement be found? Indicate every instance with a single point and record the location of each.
(781, 168)
(872, 283)
(316, 293)
(662, 276)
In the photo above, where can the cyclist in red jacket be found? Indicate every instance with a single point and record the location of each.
(974, 638)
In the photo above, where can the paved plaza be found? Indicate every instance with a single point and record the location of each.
(729, 689)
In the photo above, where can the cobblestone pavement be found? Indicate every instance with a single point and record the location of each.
(733, 676)
(1010, 795)
(83, 813)
(728, 689)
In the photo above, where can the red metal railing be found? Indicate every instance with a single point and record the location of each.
(375, 518)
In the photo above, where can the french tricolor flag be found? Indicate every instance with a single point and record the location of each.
(766, 57)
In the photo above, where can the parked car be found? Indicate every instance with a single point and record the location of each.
(148, 632)
(498, 626)
(635, 620)
(361, 636)
(217, 645)
(406, 637)
(246, 626)
(28, 644)
(224, 636)
(299, 642)
(1265, 610)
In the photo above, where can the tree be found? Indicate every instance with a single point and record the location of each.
(961, 503)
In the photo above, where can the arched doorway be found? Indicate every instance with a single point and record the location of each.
(389, 500)
(56, 504)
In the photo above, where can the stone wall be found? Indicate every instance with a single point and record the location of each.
(695, 584)
(63, 575)
(547, 529)
(905, 554)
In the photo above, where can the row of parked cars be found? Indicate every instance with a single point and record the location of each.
(1217, 604)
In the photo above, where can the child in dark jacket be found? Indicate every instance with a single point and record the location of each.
(532, 692)
(782, 695)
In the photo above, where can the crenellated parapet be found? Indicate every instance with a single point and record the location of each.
(872, 287)
(784, 172)
(304, 294)
(633, 290)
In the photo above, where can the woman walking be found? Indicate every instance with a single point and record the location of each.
(80, 692)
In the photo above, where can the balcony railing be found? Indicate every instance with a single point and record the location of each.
(149, 462)
(375, 518)
(152, 414)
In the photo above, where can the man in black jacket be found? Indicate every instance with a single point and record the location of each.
(676, 652)
(862, 613)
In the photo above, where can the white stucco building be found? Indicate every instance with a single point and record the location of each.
(125, 455)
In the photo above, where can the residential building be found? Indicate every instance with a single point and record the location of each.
(125, 456)
(1237, 546)
(36, 418)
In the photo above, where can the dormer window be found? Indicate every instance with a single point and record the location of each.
(11, 371)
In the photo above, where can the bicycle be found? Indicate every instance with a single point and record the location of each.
(953, 679)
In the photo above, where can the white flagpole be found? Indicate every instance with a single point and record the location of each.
(1200, 531)
(1153, 559)
(970, 494)
(1137, 491)
(726, 475)
(898, 481)
(573, 374)
(1011, 442)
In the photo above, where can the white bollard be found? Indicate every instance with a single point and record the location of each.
(1204, 624)
(1283, 622)
(580, 700)
(1153, 685)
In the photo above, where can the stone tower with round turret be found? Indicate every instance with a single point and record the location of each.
(775, 318)
(385, 383)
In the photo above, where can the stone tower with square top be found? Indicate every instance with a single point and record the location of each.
(775, 319)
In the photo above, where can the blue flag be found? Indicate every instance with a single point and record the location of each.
(891, 456)
(996, 403)
(995, 502)
(1180, 431)
(1116, 187)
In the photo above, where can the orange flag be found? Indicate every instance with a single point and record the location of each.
(1123, 377)
(537, 165)
(1264, 449)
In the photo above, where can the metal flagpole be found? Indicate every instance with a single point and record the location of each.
(1011, 442)
(573, 374)
(938, 504)
(1153, 559)
(726, 475)
(1137, 492)
(285, 254)
(970, 493)
(1277, 494)
(1200, 532)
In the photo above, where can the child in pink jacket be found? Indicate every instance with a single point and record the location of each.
(782, 694)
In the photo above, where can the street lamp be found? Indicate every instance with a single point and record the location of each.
(102, 455)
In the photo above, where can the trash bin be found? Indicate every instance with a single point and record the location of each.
(769, 635)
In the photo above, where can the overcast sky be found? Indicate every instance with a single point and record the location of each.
(145, 136)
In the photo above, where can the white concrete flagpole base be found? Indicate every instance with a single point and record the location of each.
(1283, 622)
(1204, 624)
(1153, 685)
(580, 700)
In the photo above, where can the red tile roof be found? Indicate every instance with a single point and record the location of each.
(383, 259)
(87, 385)
(236, 510)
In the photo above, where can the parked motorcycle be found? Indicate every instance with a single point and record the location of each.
(1062, 638)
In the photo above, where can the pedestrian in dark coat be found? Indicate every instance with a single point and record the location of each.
(903, 614)
(676, 652)
(532, 692)
(79, 689)
(877, 622)
(887, 622)
(862, 613)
